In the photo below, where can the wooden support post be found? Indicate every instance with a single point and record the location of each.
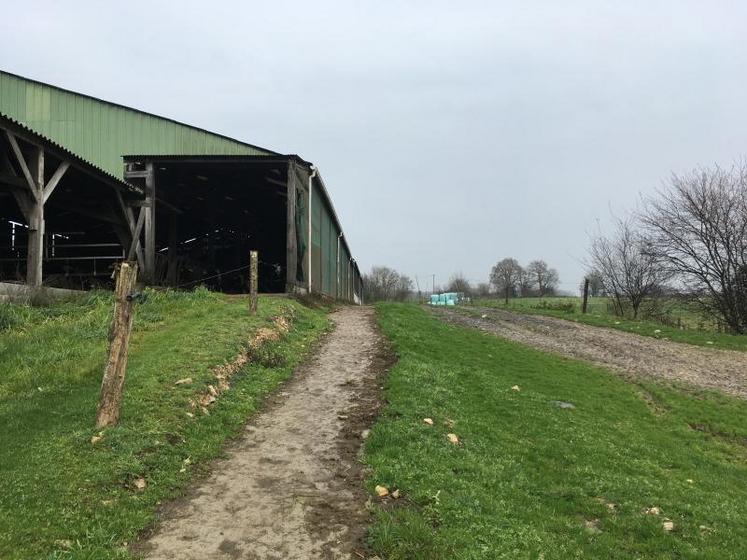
(112, 385)
(586, 295)
(149, 271)
(31, 203)
(134, 229)
(35, 250)
(291, 255)
(253, 280)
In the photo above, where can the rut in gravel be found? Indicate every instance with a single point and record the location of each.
(291, 486)
(629, 354)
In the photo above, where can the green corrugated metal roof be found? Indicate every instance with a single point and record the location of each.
(62, 152)
(101, 132)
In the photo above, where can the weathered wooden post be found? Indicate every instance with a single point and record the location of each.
(586, 295)
(112, 385)
(253, 258)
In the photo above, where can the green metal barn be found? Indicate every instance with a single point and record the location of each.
(85, 183)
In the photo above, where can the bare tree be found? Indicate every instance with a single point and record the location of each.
(458, 283)
(526, 282)
(384, 283)
(596, 287)
(698, 226)
(629, 268)
(483, 289)
(545, 278)
(505, 277)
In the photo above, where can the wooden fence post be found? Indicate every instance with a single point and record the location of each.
(112, 385)
(586, 295)
(253, 258)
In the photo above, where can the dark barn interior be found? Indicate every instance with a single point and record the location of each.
(210, 212)
(84, 233)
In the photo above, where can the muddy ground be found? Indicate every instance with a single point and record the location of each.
(291, 487)
(626, 353)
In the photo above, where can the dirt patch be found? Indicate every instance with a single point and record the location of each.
(626, 353)
(291, 487)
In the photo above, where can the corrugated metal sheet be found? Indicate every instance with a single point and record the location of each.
(61, 151)
(102, 132)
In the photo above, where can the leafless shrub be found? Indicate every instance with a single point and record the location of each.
(629, 269)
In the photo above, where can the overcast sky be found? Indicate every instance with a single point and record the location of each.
(450, 134)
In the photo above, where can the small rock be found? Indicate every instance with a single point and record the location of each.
(709, 342)
(139, 483)
(563, 404)
(97, 438)
(516, 388)
(704, 529)
(667, 526)
(453, 438)
(592, 526)
(428, 421)
(184, 381)
(395, 494)
(189, 414)
(655, 510)
(365, 434)
(690, 481)
(483, 316)
(381, 491)
(212, 390)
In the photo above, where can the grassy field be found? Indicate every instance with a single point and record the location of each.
(63, 497)
(569, 308)
(531, 480)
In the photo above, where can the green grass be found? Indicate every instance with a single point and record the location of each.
(569, 308)
(528, 475)
(63, 497)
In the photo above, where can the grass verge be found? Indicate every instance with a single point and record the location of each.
(599, 317)
(65, 498)
(532, 480)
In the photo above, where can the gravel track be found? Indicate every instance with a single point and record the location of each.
(626, 353)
